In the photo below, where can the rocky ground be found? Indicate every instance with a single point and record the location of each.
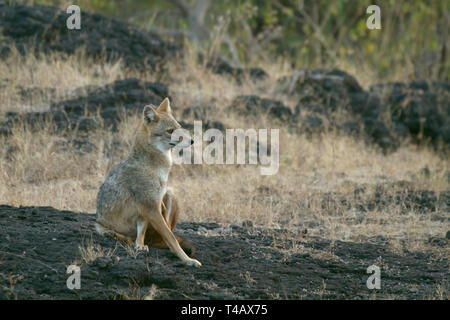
(37, 244)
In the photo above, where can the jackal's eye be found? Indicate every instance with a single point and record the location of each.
(169, 131)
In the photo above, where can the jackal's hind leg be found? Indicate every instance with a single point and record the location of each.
(170, 211)
(112, 234)
(155, 241)
(158, 223)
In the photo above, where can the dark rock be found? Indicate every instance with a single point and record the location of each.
(200, 112)
(425, 112)
(103, 262)
(256, 106)
(214, 125)
(220, 66)
(389, 87)
(419, 85)
(318, 79)
(388, 112)
(88, 124)
(311, 123)
(441, 86)
(186, 125)
(42, 29)
(425, 171)
(129, 95)
(380, 134)
(365, 104)
(311, 107)
(351, 128)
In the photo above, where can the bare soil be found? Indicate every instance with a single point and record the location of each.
(37, 244)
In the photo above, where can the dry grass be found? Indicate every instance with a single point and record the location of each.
(442, 292)
(42, 168)
(137, 293)
(57, 71)
(90, 251)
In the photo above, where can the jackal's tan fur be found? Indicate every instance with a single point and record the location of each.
(134, 203)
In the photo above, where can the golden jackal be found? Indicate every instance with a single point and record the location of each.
(134, 203)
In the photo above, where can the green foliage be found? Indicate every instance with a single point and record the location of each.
(308, 32)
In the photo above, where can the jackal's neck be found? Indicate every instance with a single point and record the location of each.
(152, 154)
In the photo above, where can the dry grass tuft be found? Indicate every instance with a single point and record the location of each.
(135, 292)
(90, 251)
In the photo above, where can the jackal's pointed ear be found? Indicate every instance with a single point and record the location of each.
(150, 114)
(165, 106)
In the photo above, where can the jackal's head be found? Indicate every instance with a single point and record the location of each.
(158, 126)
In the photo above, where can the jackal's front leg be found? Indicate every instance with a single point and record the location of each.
(141, 229)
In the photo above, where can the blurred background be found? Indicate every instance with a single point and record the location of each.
(413, 41)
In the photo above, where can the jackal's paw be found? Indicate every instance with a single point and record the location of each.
(193, 262)
(141, 248)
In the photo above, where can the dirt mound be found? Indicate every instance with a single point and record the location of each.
(402, 201)
(336, 81)
(420, 108)
(93, 107)
(43, 29)
(220, 66)
(37, 244)
(386, 114)
(109, 101)
(256, 106)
